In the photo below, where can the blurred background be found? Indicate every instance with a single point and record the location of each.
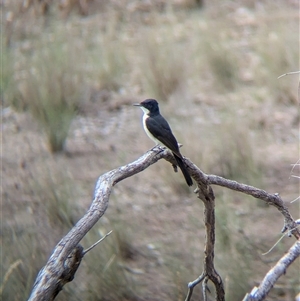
(70, 72)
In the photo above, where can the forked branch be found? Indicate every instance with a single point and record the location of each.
(67, 255)
(206, 194)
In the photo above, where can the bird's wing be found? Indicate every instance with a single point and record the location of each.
(161, 130)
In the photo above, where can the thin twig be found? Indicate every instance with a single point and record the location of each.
(96, 243)
(295, 200)
(276, 243)
(289, 73)
(295, 164)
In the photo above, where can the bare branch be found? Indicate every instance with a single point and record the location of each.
(259, 293)
(271, 199)
(191, 286)
(67, 255)
(49, 280)
(206, 194)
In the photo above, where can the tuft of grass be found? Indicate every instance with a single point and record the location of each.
(235, 156)
(222, 66)
(50, 89)
(215, 58)
(108, 59)
(6, 74)
(278, 54)
(221, 59)
(162, 68)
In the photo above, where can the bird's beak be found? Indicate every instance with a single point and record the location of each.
(137, 104)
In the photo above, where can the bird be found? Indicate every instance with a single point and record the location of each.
(158, 130)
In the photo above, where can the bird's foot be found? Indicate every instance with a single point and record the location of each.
(161, 148)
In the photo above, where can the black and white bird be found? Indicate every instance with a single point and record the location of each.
(158, 129)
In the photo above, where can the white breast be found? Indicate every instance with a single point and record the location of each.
(146, 130)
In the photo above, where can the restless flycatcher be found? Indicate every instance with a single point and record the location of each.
(158, 129)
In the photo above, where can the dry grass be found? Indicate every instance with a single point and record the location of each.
(221, 56)
(34, 226)
(235, 155)
(214, 72)
(55, 191)
(48, 85)
(237, 260)
(278, 54)
(107, 266)
(108, 59)
(31, 257)
(162, 68)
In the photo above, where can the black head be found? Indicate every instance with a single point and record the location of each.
(151, 105)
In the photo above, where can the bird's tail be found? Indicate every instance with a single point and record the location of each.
(186, 175)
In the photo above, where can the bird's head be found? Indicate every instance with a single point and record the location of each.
(148, 106)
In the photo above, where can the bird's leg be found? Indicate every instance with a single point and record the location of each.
(161, 148)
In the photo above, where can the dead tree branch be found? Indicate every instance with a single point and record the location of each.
(67, 255)
(271, 199)
(52, 277)
(259, 293)
(206, 194)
